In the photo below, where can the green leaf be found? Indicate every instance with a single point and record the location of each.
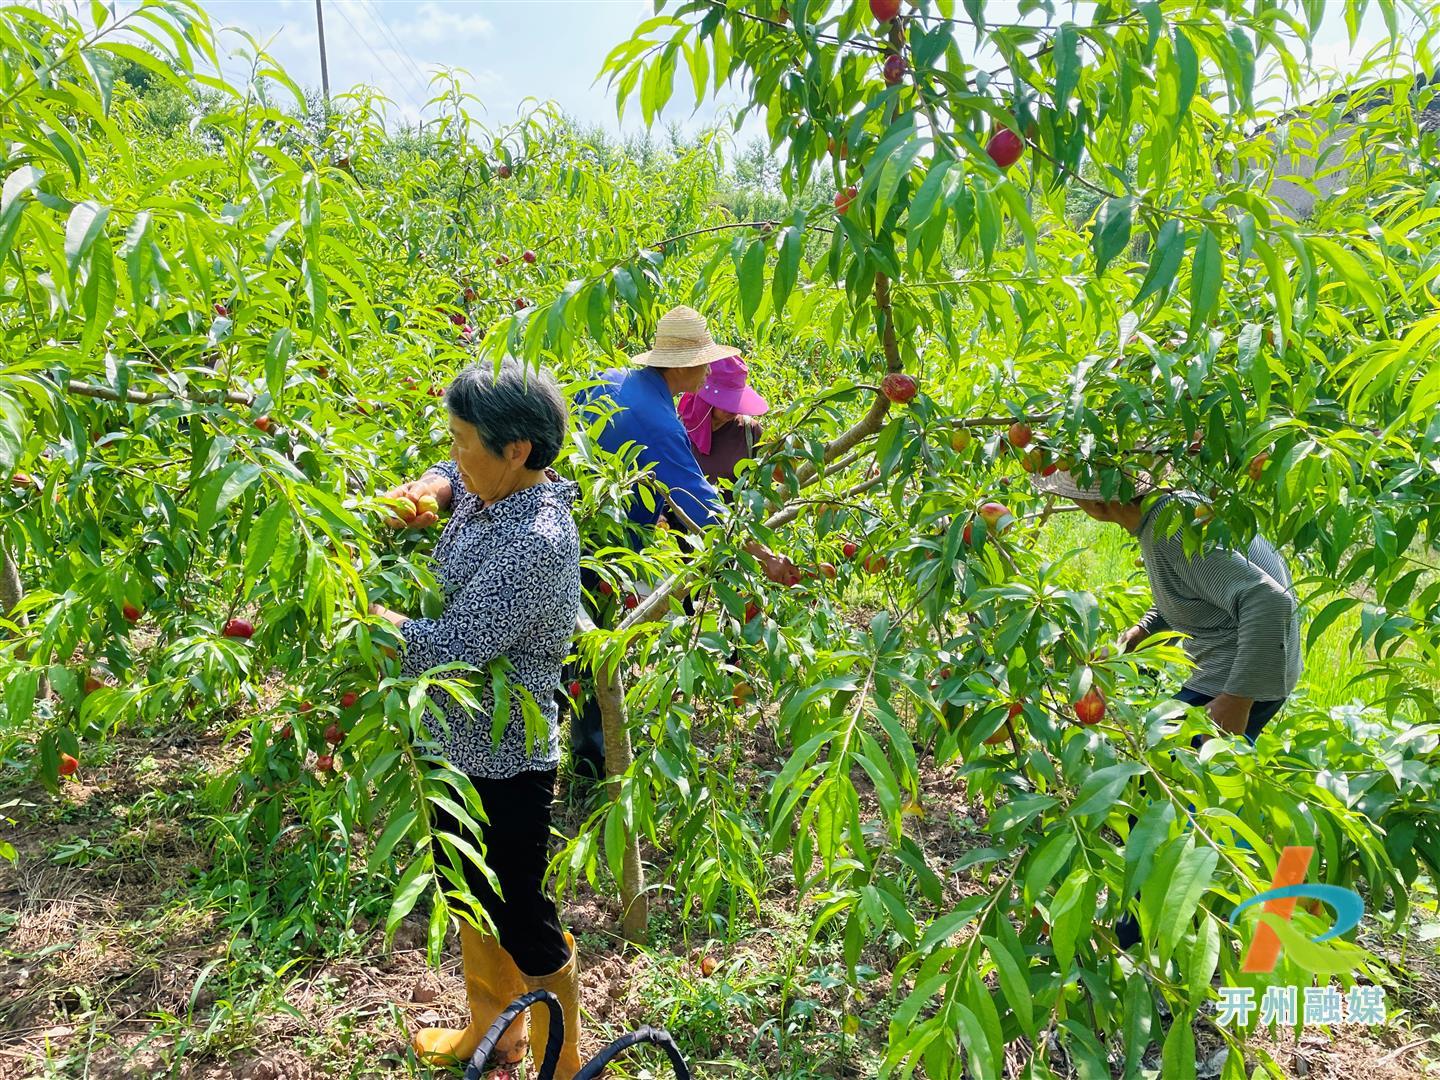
(615, 841)
(1187, 885)
(752, 279)
(151, 63)
(1203, 959)
(316, 293)
(1067, 64)
(1047, 860)
(1328, 614)
(1146, 836)
(102, 71)
(1087, 1056)
(787, 266)
(699, 61)
(1206, 274)
(399, 826)
(311, 214)
(407, 892)
(22, 181)
(1178, 1058)
(1102, 788)
(84, 226)
(1072, 911)
(14, 427)
(1244, 77)
(263, 536)
(949, 924)
(1165, 259)
(625, 286)
(277, 358)
(923, 204)
(983, 1065)
(241, 475)
(1247, 348)
(1139, 1016)
(1010, 969)
(1112, 230)
(982, 1004)
(1353, 272)
(98, 296)
(1187, 65)
(135, 251)
(896, 169)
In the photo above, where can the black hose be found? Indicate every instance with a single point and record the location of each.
(502, 1023)
(646, 1034)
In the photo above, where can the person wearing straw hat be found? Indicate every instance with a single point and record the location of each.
(643, 401)
(720, 419)
(1237, 609)
(644, 396)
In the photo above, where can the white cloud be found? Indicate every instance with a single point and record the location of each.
(446, 24)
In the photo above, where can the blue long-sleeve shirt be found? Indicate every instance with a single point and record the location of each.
(646, 417)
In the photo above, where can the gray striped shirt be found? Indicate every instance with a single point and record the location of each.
(1239, 611)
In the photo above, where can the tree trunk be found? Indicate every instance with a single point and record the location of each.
(10, 591)
(610, 693)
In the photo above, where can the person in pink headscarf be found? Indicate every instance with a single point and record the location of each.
(720, 419)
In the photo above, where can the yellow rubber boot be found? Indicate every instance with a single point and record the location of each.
(565, 985)
(492, 981)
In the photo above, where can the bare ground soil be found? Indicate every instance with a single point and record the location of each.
(107, 961)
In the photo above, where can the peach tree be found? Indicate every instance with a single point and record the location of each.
(222, 333)
(1059, 233)
(227, 327)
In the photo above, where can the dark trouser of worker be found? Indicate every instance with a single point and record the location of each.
(1127, 927)
(587, 729)
(587, 732)
(1261, 713)
(529, 950)
(587, 741)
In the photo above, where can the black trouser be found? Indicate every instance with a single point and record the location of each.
(587, 733)
(587, 729)
(515, 844)
(1261, 712)
(1127, 927)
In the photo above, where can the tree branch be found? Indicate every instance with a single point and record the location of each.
(852, 43)
(728, 225)
(888, 342)
(140, 397)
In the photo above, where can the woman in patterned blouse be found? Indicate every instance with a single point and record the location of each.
(509, 562)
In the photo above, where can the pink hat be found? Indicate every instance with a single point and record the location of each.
(726, 388)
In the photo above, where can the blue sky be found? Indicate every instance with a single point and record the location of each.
(513, 50)
(519, 49)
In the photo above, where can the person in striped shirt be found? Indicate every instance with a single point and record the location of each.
(1237, 608)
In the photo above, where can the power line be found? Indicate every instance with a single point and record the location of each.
(385, 28)
(399, 82)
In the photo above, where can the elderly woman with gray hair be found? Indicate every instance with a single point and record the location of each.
(509, 562)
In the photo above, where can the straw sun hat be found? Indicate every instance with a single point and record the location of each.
(1062, 483)
(683, 340)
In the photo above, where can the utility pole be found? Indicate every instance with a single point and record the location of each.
(324, 71)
